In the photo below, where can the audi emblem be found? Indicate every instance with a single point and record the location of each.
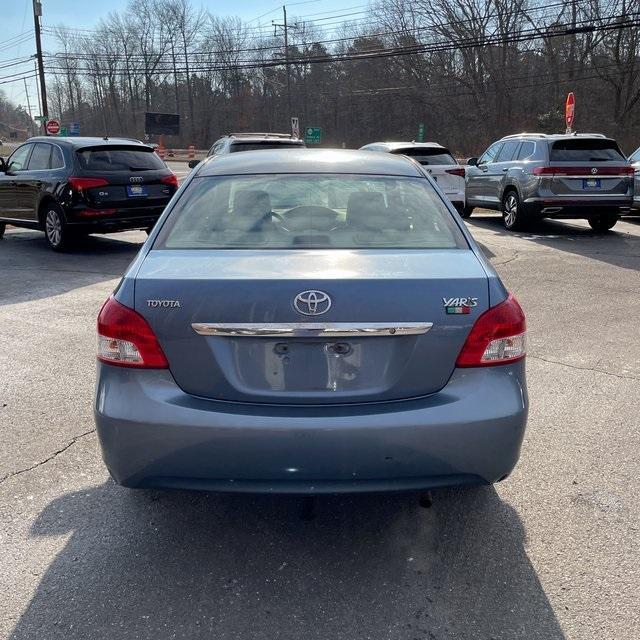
(135, 179)
(312, 302)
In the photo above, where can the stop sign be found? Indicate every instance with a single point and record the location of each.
(570, 110)
(53, 127)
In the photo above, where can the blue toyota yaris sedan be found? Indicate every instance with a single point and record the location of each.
(310, 321)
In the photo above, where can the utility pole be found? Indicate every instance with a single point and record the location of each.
(285, 27)
(37, 14)
(26, 90)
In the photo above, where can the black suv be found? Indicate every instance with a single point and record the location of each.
(69, 187)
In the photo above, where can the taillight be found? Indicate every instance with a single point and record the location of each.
(584, 171)
(126, 339)
(171, 180)
(80, 184)
(543, 171)
(497, 337)
(458, 171)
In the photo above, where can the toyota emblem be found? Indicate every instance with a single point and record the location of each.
(594, 170)
(312, 302)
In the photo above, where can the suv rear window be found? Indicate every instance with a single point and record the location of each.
(581, 150)
(300, 211)
(427, 156)
(257, 146)
(119, 159)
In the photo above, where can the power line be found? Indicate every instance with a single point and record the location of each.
(532, 34)
(190, 54)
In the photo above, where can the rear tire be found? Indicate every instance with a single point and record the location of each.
(603, 222)
(56, 229)
(466, 212)
(3, 226)
(512, 215)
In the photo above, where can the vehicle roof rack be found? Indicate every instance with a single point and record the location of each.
(553, 135)
(258, 134)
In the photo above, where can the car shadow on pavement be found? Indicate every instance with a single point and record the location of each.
(150, 564)
(615, 247)
(33, 271)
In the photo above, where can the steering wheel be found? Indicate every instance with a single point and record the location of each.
(310, 218)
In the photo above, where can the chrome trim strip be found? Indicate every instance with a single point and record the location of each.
(311, 329)
(567, 197)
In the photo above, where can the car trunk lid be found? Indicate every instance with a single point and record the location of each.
(417, 306)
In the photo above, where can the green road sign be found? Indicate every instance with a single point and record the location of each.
(420, 132)
(63, 131)
(312, 135)
(40, 118)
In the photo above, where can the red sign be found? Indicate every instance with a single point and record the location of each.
(53, 127)
(570, 110)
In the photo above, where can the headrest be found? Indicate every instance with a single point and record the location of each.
(252, 202)
(366, 210)
(250, 210)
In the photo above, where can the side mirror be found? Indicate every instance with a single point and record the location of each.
(472, 162)
(193, 163)
(3, 165)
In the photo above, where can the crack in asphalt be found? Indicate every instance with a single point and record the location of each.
(54, 455)
(592, 369)
(516, 255)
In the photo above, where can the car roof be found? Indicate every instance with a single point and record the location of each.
(394, 146)
(79, 142)
(309, 161)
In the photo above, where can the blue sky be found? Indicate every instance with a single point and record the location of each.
(17, 18)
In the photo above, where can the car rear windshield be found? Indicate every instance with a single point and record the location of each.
(428, 156)
(581, 150)
(257, 146)
(299, 211)
(119, 159)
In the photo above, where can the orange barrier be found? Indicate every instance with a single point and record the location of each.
(192, 152)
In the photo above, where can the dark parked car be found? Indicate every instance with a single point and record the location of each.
(235, 142)
(69, 187)
(530, 176)
(310, 321)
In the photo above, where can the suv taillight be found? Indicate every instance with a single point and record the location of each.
(171, 180)
(459, 171)
(126, 339)
(497, 337)
(582, 171)
(80, 184)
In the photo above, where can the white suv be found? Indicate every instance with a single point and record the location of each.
(437, 162)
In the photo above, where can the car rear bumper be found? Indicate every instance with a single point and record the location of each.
(152, 434)
(577, 206)
(117, 221)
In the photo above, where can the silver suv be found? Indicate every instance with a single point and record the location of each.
(530, 176)
(235, 142)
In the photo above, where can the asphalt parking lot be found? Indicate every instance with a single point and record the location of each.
(553, 552)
